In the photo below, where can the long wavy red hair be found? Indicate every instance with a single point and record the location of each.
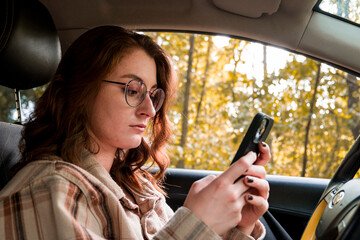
(58, 124)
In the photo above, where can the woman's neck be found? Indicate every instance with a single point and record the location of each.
(106, 159)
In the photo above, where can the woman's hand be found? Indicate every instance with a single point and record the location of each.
(258, 193)
(223, 204)
(219, 202)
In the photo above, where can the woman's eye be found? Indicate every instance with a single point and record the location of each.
(132, 92)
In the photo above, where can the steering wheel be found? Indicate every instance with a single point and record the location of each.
(337, 215)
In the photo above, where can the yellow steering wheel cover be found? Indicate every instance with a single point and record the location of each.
(309, 233)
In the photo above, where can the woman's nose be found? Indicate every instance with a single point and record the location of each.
(147, 107)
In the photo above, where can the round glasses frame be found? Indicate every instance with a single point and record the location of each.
(158, 92)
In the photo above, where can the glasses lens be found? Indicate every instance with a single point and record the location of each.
(135, 92)
(157, 98)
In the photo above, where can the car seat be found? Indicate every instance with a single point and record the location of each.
(29, 54)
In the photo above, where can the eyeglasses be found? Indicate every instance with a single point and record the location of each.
(135, 93)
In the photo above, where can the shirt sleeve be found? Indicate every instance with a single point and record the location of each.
(49, 208)
(186, 225)
(258, 233)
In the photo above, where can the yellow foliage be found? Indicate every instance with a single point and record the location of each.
(223, 100)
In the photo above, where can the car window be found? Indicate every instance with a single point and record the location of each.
(346, 9)
(315, 106)
(7, 105)
(224, 82)
(8, 112)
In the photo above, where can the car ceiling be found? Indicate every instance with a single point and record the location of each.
(289, 24)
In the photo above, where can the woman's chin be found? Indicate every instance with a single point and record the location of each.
(133, 143)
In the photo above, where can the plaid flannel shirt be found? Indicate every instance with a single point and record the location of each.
(53, 199)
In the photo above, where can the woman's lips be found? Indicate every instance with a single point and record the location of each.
(139, 127)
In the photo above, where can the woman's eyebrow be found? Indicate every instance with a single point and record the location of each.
(133, 76)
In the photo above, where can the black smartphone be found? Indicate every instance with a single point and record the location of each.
(258, 131)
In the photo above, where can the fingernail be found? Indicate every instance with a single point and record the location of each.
(263, 143)
(250, 197)
(250, 179)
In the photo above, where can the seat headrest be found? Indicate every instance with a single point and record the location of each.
(29, 44)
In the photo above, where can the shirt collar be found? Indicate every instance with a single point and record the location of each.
(91, 165)
(145, 199)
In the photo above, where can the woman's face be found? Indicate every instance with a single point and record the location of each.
(113, 123)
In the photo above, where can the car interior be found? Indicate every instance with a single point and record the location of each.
(35, 33)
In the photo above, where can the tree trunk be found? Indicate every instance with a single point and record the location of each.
(204, 79)
(269, 140)
(185, 112)
(353, 104)
(307, 130)
(343, 8)
(265, 62)
(327, 170)
(234, 80)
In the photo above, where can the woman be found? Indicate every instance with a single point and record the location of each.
(81, 175)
